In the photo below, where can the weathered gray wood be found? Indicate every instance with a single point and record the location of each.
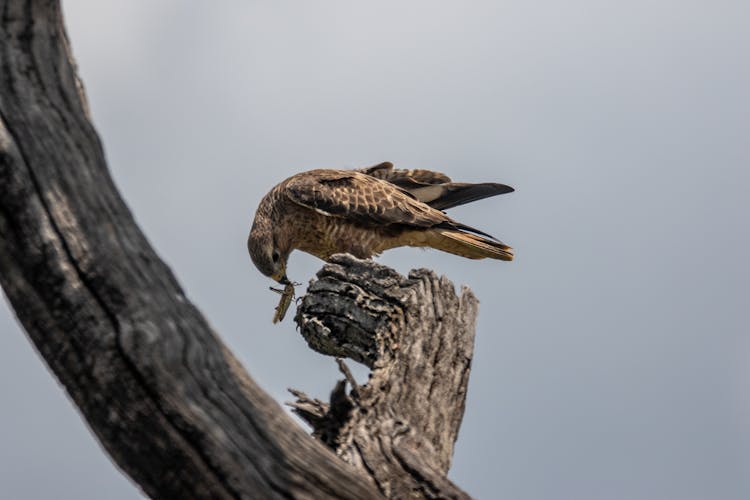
(162, 393)
(417, 335)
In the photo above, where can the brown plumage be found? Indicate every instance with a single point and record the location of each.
(364, 212)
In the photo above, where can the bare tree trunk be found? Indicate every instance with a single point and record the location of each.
(162, 393)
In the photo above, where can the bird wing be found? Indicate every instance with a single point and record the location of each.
(361, 198)
(435, 188)
(405, 178)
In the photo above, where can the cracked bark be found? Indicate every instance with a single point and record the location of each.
(417, 336)
(164, 396)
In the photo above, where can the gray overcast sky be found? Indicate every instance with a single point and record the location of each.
(612, 358)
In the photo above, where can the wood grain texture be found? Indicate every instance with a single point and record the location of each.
(162, 393)
(156, 385)
(417, 335)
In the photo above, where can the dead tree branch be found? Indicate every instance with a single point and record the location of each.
(164, 396)
(417, 335)
(162, 393)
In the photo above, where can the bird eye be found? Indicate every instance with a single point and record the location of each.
(275, 256)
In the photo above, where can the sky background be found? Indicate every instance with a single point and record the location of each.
(612, 357)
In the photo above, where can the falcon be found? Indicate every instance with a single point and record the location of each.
(364, 212)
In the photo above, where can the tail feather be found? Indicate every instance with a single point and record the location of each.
(455, 194)
(470, 245)
(463, 227)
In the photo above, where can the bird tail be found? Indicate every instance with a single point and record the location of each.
(460, 193)
(469, 245)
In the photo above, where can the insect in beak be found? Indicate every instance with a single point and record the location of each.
(287, 294)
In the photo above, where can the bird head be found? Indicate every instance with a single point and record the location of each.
(267, 255)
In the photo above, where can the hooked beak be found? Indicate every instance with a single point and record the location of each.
(281, 278)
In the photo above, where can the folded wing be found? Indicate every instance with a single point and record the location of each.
(435, 188)
(373, 202)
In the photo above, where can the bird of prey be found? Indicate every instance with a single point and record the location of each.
(364, 212)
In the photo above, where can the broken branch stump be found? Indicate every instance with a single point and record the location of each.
(417, 336)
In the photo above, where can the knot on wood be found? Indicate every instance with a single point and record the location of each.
(355, 309)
